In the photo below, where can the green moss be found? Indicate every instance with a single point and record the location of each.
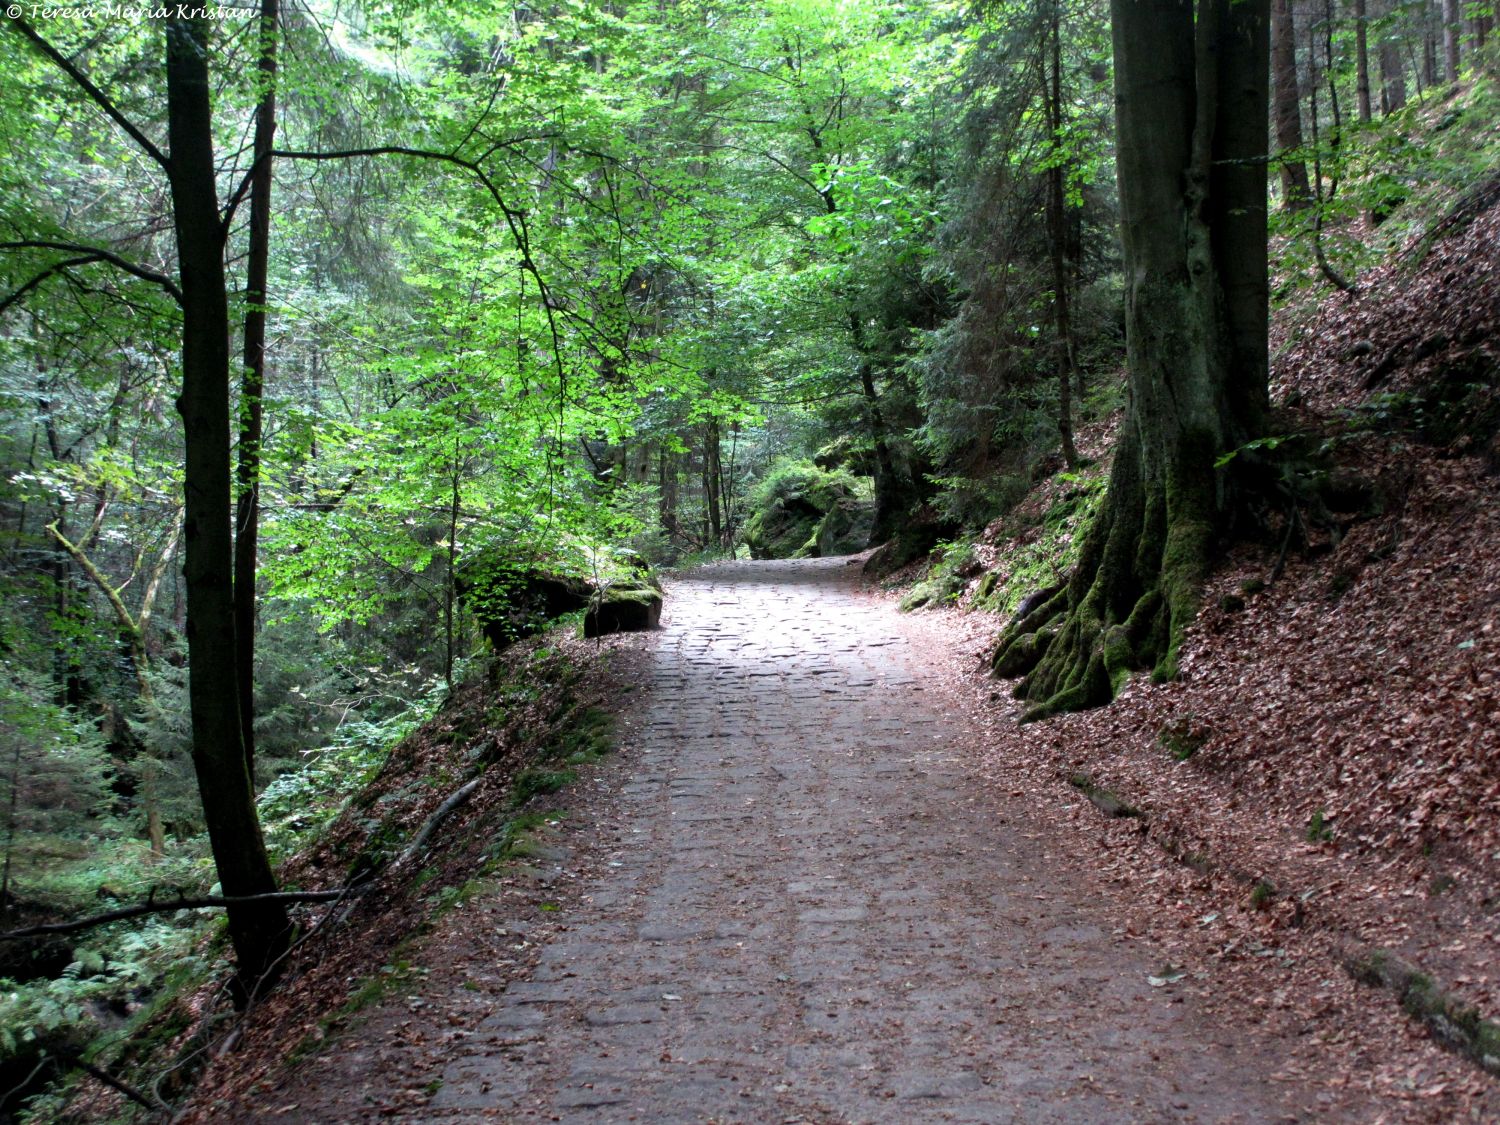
(1183, 736)
(535, 780)
(1039, 563)
(1262, 894)
(1109, 803)
(1318, 830)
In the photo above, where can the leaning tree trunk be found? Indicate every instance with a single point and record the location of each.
(259, 931)
(1192, 107)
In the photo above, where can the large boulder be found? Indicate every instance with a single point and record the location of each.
(629, 605)
(782, 528)
(802, 511)
(511, 600)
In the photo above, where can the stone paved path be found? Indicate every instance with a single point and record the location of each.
(816, 916)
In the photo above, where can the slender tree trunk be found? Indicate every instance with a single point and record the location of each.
(11, 801)
(450, 584)
(890, 491)
(666, 478)
(1296, 193)
(711, 482)
(1432, 17)
(1057, 240)
(253, 380)
(1192, 105)
(260, 931)
(1362, 62)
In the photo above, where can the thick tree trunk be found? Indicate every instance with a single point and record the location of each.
(259, 931)
(1392, 70)
(1452, 26)
(1296, 192)
(1192, 105)
(253, 380)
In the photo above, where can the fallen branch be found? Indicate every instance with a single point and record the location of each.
(440, 814)
(182, 902)
(1451, 1022)
(69, 1058)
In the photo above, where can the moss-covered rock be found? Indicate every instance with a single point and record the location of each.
(512, 600)
(631, 605)
(802, 511)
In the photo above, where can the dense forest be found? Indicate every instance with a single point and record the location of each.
(332, 337)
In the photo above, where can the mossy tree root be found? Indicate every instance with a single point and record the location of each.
(1128, 603)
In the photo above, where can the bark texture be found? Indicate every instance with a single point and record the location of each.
(259, 930)
(1192, 106)
(1296, 192)
(253, 381)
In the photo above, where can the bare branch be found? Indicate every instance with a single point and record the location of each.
(100, 98)
(55, 268)
(99, 254)
(151, 906)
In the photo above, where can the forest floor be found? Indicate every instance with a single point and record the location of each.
(827, 879)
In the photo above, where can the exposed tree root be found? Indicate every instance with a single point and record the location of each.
(1133, 593)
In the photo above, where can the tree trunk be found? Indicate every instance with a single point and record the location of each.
(711, 483)
(1296, 192)
(253, 381)
(259, 931)
(1192, 105)
(667, 492)
(1362, 62)
(891, 492)
(1432, 17)
(1392, 72)
(1057, 241)
(1452, 25)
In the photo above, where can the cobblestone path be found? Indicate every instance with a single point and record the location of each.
(814, 916)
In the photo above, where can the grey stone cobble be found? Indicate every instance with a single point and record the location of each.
(818, 921)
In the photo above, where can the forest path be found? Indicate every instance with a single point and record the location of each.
(809, 911)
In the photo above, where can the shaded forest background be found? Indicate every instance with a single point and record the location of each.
(558, 290)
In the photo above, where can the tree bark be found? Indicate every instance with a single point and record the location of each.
(253, 379)
(711, 484)
(1296, 192)
(260, 930)
(1362, 62)
(1392, 71)
(1452, 26)
(1057, 239)
(1192, 105)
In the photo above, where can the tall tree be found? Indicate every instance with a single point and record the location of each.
(1362, 60)
(1192, 105)
(1057, 232)
(1296, 192)
(253, 378)
(259, 930)
(1452, 26)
